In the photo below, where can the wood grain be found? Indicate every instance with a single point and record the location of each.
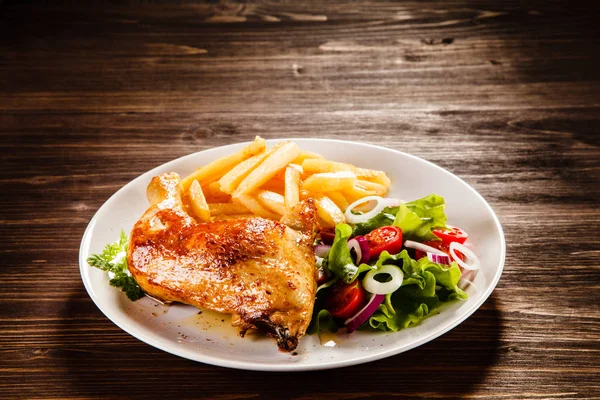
(505, 95)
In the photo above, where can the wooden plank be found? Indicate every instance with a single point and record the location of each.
(505, 95)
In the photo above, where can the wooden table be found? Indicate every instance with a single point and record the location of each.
(504, 94)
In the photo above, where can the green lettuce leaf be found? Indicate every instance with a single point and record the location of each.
(417, 218)
(321, 320)
(339, 259)
(399, 321)
(425, 287)
(385, 218)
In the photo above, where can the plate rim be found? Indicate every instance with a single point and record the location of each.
(141, 334)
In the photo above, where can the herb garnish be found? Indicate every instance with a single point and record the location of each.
(113, 260)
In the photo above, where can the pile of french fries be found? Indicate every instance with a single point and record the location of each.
(267, 182)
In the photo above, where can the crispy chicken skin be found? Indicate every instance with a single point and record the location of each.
(260, 271)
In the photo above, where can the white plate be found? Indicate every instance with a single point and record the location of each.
(209, 338)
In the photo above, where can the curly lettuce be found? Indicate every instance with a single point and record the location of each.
(417, 218)
(385, 218)
(425, 287)
(339, 260)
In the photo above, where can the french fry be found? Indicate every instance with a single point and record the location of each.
(232, 179)
(236, 175)
(271, 200)
(232, 216)
(297, 166)
(339, 200)
(306, 154)
(220, 167)
(187, 205)
(198, 202)
(280, 175)
(320, 166)
(268, 168)
(274, 185)
(213, 193)
(269, 182)
(356, 192)
(378, 189)
(292, 185)
(329, 181)
(373, 175)
(256, 207)
(329, 212)
(227, 209)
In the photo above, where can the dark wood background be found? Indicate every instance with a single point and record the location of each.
(504, 94)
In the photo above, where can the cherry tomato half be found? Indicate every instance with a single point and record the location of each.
(436, 244)
(344, 300)
(385, 238)
(451, 234)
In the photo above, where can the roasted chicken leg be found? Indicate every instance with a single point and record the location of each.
(260, 271)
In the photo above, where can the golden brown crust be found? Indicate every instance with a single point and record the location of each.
(258, 270)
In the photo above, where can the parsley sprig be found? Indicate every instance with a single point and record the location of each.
(107, 261)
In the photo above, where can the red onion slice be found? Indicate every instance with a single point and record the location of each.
(437, 258)
(361, 246)
(364, 248)
(471, 257)
(321, 250)
(353, 323)
(353, 244)
(423, 247)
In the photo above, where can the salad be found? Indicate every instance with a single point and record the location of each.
(390, 266)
